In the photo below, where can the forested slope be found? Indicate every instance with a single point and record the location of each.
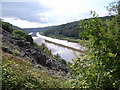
(71, 30)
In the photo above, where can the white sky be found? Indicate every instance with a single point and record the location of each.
(61, 11)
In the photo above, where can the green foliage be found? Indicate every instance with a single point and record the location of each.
(23, 35)
(19, 33)
(20, 74)
(114, 7)
(6, 26)
(69, 31)
(29, 39)
(57, 57)
(65, 30)
(45, 49)
(35, 44)
(99, 66)
(15, 52)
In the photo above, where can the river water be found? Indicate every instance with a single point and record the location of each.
(65, 53)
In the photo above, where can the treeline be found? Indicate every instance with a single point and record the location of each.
(71, 30)
(38, 29)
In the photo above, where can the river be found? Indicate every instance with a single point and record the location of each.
(65, 53)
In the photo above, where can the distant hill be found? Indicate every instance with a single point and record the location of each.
(37, 29)
(71, 29)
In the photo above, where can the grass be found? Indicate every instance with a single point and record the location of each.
(82, 42)
(15, 52)
(18, 73)
(63, 38)
(70, 39)
(66, 38)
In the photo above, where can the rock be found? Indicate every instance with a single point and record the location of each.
(50, 63)
(4, 49)
(30, 52)
(20, 43)
(38, 66)
(7, 50)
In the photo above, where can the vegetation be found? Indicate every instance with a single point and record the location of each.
(7, 27)
(38, 29)
(70, 39)
(64, 31)
(18, 73)
(23, 35)
(69, 30)
(21, 74)
(44, 49)
(18, 33)
(99, 67)
(15, 52)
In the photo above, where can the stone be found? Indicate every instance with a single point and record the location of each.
(31, 52)
(7, 50)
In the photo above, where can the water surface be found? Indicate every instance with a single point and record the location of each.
(65, 53)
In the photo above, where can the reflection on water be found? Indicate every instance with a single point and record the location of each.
(63, 42)
(65, 53)
(38, 40)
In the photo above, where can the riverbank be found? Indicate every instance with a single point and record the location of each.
(63, 38)
(79, 41)
(69, 39)
(78, 50)
(62, 49)
(66, 38)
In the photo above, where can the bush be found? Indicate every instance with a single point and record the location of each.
(29, 39)
(18, 33)
(21, 74)
(15, 52)
(23, 35)
(99, 67)
(7, 27)
(45, 49)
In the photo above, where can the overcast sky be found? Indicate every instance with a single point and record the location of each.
(41, 13)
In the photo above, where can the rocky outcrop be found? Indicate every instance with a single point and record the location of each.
(28, 51)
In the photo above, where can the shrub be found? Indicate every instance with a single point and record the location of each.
(99, 67)
(21, 74)
(29, 39)
(15, 52)
(7, 27)
(23, 35)
(45, 49)
(19, 33)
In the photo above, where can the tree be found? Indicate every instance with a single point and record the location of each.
(99, 66)
(29, 39)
